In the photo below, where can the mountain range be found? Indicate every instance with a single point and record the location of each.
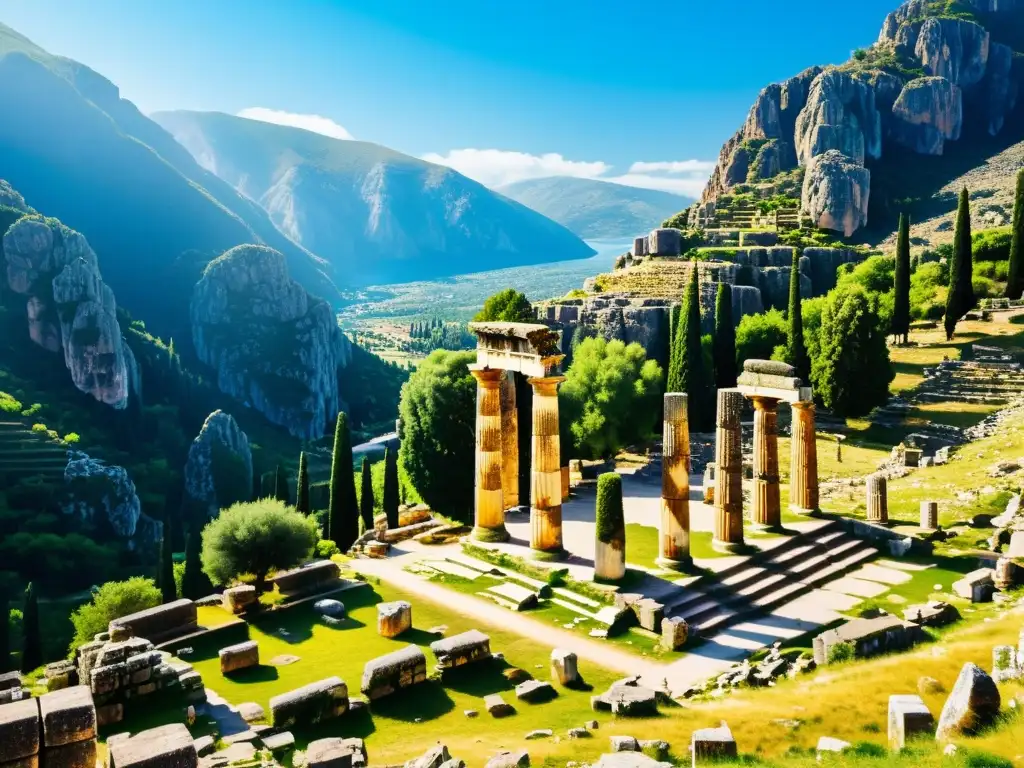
(596, 209)
(376, 215)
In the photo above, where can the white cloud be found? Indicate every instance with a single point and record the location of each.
(497, 167)
(314, 123)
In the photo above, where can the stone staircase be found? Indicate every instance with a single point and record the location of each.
(994, 382)
(24, 453)
(768, 580)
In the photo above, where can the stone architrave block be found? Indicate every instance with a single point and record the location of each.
(393, 618)
(169, 746)
(565, 667)
(155, 624)
(313, 703)
(237, 657)
(237, 599)
(68, 716)
(400, 669)
(710, 745)
(461, 649)
(909, 716)
(19, 730)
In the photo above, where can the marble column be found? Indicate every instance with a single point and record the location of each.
(674, 530)
(767, 506)
(930, 515)
(490, 509)
(728, 473)
(546, 471)
(878, 499)
(803, 462)
(509, 441)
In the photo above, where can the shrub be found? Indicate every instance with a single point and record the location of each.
(757, 336)
(841, 652)
(325, 548)
(509, 306)
(72, 437)
(32, 410)
(39, 429)
(992, 244)
(8, 403)
(112, 601)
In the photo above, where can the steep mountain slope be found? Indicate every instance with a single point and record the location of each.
(77, 150)
(377, 215)
(596, 209)
(937, 92)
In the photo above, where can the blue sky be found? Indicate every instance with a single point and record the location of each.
(500, 90)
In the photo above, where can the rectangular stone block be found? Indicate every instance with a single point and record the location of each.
(107, 679)
(68, 716)
(19, 730)
(461, 649)
(169, 746)
(108, 714)
(311, 703)
(711, 745)
(386, 674)
(10, 680)
(237, 599)
(649, 613)
(908, 716)
(116, 653)
(393, 618)
(14, 694)
(977, 586)
(81, 754)
(240, 656)
(161, 622)
(307, 579)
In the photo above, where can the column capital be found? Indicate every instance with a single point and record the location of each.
(546, 384)
(804, 405)
(487, 377)
(762, 403)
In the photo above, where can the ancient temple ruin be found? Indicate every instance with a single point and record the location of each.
(504, 349)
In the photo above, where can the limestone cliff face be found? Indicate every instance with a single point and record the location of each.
(866, 114)
(209, 486)
(69, 307)
(272, 345)
(104, 496)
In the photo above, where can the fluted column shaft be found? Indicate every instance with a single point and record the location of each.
(546, 474)
(509, 442)
(767, 505)
(728, 472)
(803, 463)
(489, 506)
(674, 533)
(877, 499)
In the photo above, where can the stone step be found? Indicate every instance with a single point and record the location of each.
(841, 567)
(575, 597)
(499, 600)
(571, 606)
(721, 618)
(520, 596)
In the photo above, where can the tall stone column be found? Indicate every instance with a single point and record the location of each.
(546, 473)
(803, 463)
(878, 499)
(728, 473)
(767, 506)
(674, 532)
(509, 442)
(490, 509)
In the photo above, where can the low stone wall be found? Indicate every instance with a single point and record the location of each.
(386, 674)
(465, 648)
(159, 623)
(57, 730)
(235, 631)
(308, 579)
(310, 704)
(880, 535)
(869, 637)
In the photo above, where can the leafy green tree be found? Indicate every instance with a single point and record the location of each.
(437, 432)
(796, 351)
(366, 496)
(507, 306)
(960, 299)
(168, 589)
(343, 510)
(852, 371)
(610, 518)
(112, 601)
(31, 637)
(302, 486)
(610, 398)
(686, 371)
(390, 494)
(281, 485)
(256, 538)
(724, 340)
(194, 583)
(901, 300)
(758, 336)
(1015, 274)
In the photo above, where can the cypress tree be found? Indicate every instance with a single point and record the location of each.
(390, 499)
(725, 339)
(1015, 275)
(796, 352)
(194, 583)
(168, 590)
(610, 518)
(281, 485)
(686, 365)
(31, 638)
(960, 299)
(366, 496)
(901, 306)
(343, 512)
(302, 486)
(5, 630)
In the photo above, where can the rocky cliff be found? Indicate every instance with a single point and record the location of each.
(932, 77)
(272, 345)
(68, 307)
(219, 468)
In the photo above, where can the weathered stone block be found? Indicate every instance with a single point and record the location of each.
(710, 745)
(828, 745)
(80, 754)
(108, 714)
(311, 703)
(535, 691)
(518, 759)
(649, 613)
(565, 667)
(386, 674)
(869, 637)
(674, 633)
(464, 648)
(19, 730)
(237, 599)
(68, 716)
(14, 694)
(240, 656)
(117, 653)
(977, 586)
(169, 746)
(308, 579)
(929, 515)
(336, 752)
(161, 622)
(393, 618)
(973, 704)
(627, 700)
(10, 680)
(413, 515)
(908, 717)
(496, 706)
(933, 614)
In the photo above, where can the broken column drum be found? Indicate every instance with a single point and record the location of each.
(674, 531)
(930, 515)
(728, 472)
(767, 506)
(803, 463)
(490, 508)
(878, 503)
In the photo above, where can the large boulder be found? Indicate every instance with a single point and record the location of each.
(219, 467)
(972, 705)
(69, 307)
(956, 49)
(835, 192)
(928, 112)
(105, 495)
(840, 114)
(272, 345)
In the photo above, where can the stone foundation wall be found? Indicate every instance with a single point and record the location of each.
(56, 730)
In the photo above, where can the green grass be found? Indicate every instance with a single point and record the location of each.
(642, 546)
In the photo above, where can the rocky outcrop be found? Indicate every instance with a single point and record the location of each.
(11, 198)
(928, 112)
(840, 114)
(272, 345)
(835, 193)
(68, 306)
(955, 49)
(104, 496)
(1000, 87)
(219, 467)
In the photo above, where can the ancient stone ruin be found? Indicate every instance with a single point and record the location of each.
(458, 650)
(400, 669)
(58, 729)
(313, 703)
